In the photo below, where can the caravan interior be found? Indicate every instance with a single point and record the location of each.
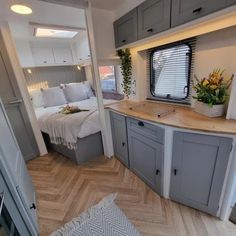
(117, 117)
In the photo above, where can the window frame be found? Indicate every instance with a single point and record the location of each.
(151, 76)
(115, 74)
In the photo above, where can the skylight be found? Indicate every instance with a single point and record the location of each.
(54, 33)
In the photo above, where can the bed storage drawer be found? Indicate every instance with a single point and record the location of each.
(150, 131)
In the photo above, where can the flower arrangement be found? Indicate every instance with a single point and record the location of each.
(214, 89)
(70, 110)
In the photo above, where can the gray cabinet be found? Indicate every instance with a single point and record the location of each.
(119, 135)
(126, 29)
(146, 152)
(231, 2)
(187, 10)
(153, 17)
(198, 169)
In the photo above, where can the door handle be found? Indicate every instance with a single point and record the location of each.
(18, 101)
(150, 30)
(175, 171)
(140, 123)
(123, 144)
(33, 206)
(157, 172)
(2, 195)
(197, 10)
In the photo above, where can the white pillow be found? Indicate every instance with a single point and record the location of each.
(88, 89)
(75, 92)
(37, 98)
(53, 97)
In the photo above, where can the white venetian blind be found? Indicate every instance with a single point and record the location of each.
(170, 70)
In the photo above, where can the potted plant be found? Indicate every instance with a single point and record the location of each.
(212, 93)
(126, 68)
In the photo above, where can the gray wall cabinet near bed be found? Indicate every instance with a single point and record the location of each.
(125, 28)
(146, 152)
(153, 17)
(187, 10)
(118, 124)
(198, 169)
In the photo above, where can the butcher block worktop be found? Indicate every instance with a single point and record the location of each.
(174, 115)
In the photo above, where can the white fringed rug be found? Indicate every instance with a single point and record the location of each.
(103, 219)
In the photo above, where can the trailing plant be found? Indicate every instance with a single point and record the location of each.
(214, 89)
(126, 67)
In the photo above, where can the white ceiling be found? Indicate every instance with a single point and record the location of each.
(43, 13)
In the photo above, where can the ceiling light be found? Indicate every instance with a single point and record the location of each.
(54, 33)
(21, 9)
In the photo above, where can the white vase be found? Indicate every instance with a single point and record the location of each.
(214, 111)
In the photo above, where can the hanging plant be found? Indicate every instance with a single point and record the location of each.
(126, 68)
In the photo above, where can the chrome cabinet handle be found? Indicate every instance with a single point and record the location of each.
(2, 195)
(18, 101)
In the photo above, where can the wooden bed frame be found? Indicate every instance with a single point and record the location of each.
(88, 148)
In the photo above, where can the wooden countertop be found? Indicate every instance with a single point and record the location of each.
(176, 116)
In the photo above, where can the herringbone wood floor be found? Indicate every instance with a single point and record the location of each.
(65, 190)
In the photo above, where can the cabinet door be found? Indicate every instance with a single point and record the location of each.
(198, 170)
(126, 28)
(153, 17)
(231, 2)
(187, 10)
(119, 135)
(63, 56)
(146, 158)
(43, 56)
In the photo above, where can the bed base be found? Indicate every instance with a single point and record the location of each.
(88, 148)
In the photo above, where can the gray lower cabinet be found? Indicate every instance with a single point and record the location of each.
(153, 17)
(186, 10)
(231, 2)
(126, 29)
(119, 135)
(198, 170)
(146, 152)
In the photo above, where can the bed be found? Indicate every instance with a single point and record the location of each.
(78, 135)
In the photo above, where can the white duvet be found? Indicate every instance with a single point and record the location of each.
(66, 129)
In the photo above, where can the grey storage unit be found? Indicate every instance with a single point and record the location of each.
(153, 17)
(198, 170)
(231, 2)
(119, 134)
(146, 152)
(187, 10)
(125, 28)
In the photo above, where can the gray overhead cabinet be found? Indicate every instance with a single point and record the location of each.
(198, 170)
(153, 17)
(186, 10)
(146, 151)
(125, 29)
(119, 134)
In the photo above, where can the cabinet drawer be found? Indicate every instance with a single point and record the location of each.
(151, 131)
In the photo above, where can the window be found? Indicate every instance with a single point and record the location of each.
(170, 71)
(108, 78)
